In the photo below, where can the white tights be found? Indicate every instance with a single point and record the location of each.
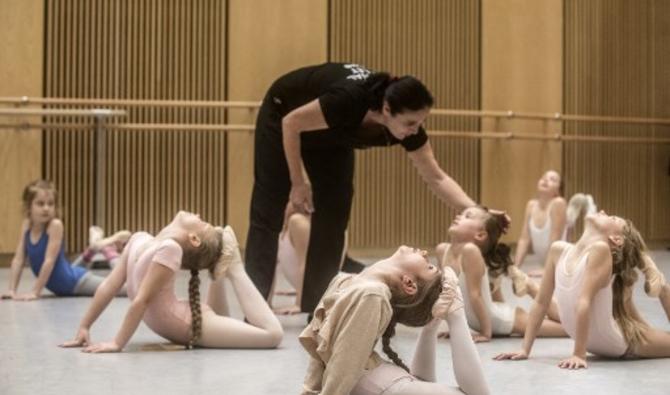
(263, 329)
(389, 379)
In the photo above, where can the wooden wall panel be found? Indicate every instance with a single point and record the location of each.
(156, 49)
(439, 42)
(616, 63)
(267, 39)
(21, 50)
(521, 71)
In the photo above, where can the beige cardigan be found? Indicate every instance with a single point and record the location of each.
(350, 317)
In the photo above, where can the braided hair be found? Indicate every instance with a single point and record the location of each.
(205, 256)
(411, 310)
(194, 302)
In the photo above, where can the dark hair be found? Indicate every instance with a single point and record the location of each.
(30, 191)
(496, 255)
(411, 310)
(402, 94)
(206, 256)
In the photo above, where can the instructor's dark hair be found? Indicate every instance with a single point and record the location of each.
(402, 94)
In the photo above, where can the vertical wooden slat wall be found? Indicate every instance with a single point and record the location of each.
(21, 50)
(294, 34)
(155, 49)
(522, 59)
(439, 42)
(616, 63)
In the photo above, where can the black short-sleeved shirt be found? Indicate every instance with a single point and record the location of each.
(344, 101)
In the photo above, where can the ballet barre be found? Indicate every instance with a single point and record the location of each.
(484, 135)
(99, 116)
(190, 127)
(549, 116)
(92, 113)
(52, 101)
(492, 135)
(254, 105)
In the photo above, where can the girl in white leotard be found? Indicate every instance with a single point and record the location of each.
(592, 281)
(480, 259)
(544, 220)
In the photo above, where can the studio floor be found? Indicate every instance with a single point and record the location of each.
(31, 362)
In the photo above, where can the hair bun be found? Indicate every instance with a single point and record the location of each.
(504, 220)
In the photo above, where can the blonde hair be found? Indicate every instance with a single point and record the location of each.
(625, 259)
(204, 257)
(411, 310)
(30, 192)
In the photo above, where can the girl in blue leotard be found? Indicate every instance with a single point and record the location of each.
(41, 242)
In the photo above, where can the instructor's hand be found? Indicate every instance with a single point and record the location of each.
(301, 198)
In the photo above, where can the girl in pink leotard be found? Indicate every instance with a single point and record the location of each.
(149, 266)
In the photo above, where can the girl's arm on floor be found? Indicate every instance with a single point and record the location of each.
(596, 276)
(55, 232)
(157, 276)
(103, 295)
(17, 263)
(540, 306)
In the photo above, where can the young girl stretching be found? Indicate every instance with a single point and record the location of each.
(359, 309)
(41, 242)
(592, 281)
(544, 220)
(149, 265)
(481, 260)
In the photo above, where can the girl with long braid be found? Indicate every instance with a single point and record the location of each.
(149, 265)
(359, 309)
(592, 281)
(481, 260)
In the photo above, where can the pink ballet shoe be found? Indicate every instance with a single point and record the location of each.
(450, 299)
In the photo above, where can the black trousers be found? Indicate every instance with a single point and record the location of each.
(331, 172)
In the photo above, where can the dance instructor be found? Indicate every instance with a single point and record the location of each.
(314, 118)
